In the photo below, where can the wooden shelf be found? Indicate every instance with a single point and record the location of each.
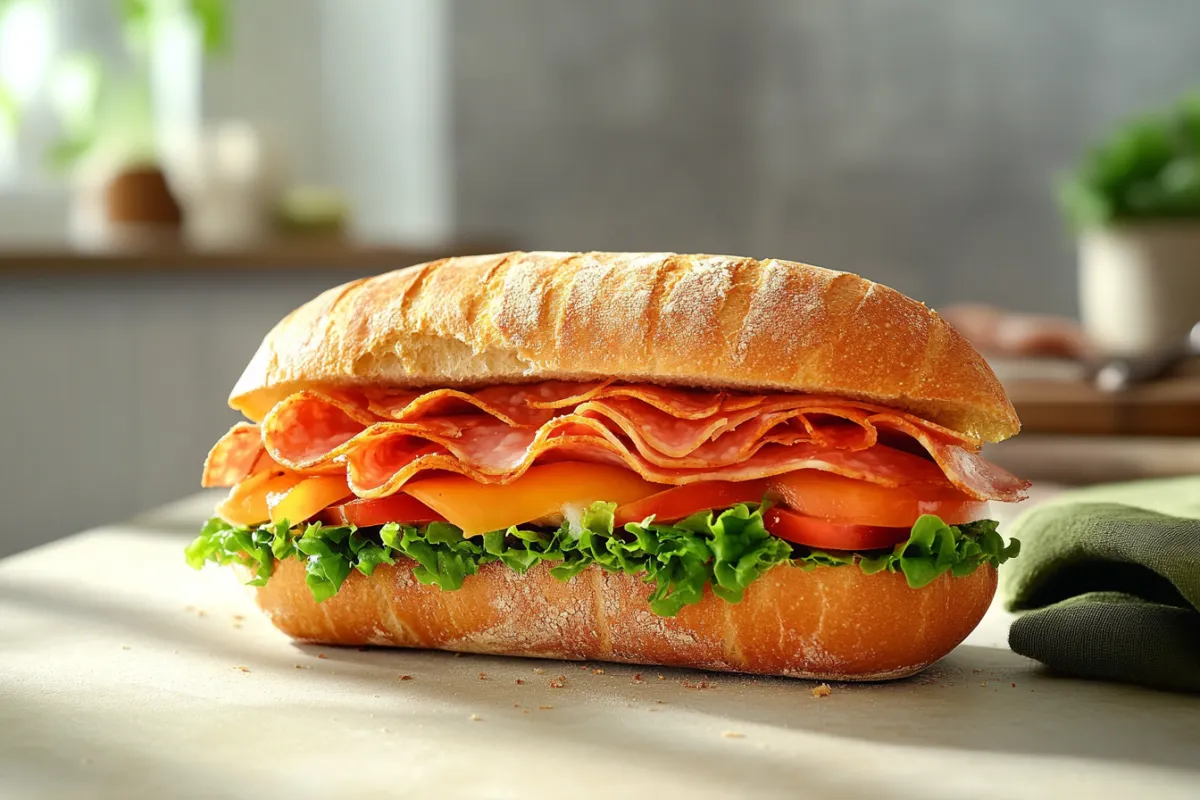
(290, 255)
(1052, 396)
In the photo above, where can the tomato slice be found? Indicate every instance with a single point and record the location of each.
(393, 508)
(847, 500)
(826, 535)
(683, 501)
(306, 498)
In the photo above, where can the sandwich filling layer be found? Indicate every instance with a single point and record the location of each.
(723, 550)
(687, 489)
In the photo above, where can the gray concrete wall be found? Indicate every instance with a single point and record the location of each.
(114, 387)
(913, 141)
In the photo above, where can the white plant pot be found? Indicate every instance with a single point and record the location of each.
(227, 178)
(1139, 285)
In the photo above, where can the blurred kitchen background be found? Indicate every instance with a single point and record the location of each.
(175, 175)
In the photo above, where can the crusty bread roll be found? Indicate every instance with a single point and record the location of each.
(831, 623)
(691, 320)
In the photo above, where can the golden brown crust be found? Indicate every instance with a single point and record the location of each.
(692, 320)
(831, 623)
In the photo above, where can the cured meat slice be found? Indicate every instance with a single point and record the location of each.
(667, 435)
(234, 456)
(384, 466)
(520, 406)
(309, 429)
(965, 468)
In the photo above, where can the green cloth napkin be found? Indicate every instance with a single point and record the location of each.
(1109, 578)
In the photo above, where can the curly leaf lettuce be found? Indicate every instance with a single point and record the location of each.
(934, 548)
(725, 550)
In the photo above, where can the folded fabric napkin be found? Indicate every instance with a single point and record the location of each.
(1109, 580)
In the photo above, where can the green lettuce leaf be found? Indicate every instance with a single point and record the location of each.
(932, 549)
(725, 551)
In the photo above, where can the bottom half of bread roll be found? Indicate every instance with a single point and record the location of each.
(832, 623)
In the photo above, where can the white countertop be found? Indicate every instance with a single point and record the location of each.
(123, 673)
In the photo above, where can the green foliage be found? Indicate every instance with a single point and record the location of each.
(97, 108)
(9, 113)
(1149, 168)
(138, 19)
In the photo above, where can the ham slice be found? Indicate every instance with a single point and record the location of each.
(520, 406)
(672, 436)
(381, 471)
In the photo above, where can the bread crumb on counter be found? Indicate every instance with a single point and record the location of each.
(483, 676)
(539, 671)
(406, 677)
(475, 718)
(301, 666)
(733, 735)
(545, 708)
(598, 671)
(322, 655)
(822, 691)
(519, 681)
(558, 682)
(240, 668)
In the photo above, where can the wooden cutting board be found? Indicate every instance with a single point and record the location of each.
(1053, 397)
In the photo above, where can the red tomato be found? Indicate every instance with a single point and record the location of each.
(837, 499)
(683, 501)
(826, 535)
(393, 508)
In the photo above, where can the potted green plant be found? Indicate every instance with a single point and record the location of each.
(1134, 201)
(118, 117)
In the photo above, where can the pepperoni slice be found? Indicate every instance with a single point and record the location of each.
(234, 456)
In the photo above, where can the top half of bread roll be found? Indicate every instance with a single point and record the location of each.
(701, 321)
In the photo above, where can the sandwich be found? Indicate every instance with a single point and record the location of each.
(684, 460)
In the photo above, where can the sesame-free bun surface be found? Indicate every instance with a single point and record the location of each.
(685, 320)
(830, 623)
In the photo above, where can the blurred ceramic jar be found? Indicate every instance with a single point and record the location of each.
(228, 182)
(1139, 285)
